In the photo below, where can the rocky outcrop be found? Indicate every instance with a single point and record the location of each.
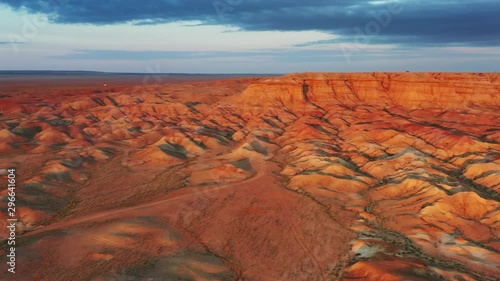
(309, 176)
(408, 90)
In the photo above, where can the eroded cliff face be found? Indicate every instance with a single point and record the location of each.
(408, 90)
(370, 176)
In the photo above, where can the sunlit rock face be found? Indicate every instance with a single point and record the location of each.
(311, 176)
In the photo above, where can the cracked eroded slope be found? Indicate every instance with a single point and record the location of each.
(374, 176)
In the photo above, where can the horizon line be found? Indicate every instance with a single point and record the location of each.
(27, 71)
(114, 72)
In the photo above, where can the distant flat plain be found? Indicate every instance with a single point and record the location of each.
(12, 81)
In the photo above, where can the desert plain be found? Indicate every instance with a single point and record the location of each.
(306, 176)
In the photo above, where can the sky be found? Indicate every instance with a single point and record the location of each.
(250, 36)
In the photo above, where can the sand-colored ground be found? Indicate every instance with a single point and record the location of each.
(313, 176)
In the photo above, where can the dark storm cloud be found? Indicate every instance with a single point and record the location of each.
(446, 22)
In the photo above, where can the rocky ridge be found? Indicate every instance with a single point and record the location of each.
(310, 176)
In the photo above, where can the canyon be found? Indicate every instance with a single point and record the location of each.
(306, 176)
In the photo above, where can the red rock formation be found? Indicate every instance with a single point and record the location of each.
(313, 176)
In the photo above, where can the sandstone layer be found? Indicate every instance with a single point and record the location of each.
(310, 176)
